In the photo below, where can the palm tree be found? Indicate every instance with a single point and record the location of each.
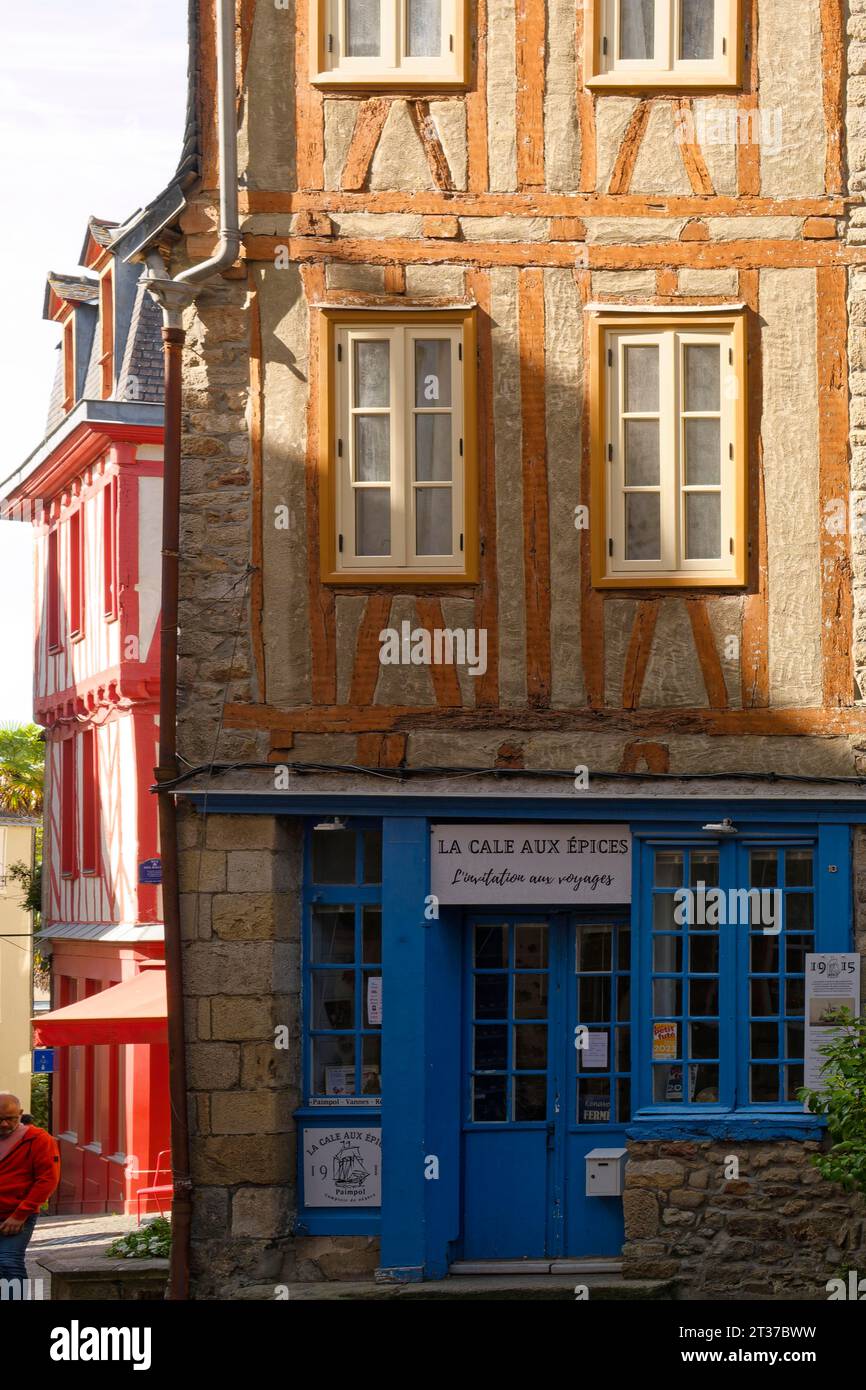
(22, 769)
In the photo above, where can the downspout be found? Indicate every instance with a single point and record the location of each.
(174, 296)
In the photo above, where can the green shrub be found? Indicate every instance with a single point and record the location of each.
(842, 1099)
(39, 1100)
(151, 1241)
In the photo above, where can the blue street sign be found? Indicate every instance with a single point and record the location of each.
(150, 871)
(43, 1059)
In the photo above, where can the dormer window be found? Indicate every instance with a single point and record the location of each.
(106, 335)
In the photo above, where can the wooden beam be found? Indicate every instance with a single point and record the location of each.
(708, 656)
(591, 601)
(833, 67)
(638, 654)
(833, 486)
(365, 672)
(309, 110)
(487, 598)
(437, 163)
(245, 22)
(539, 204)
(690, 151)
(749, 151)
(530, 47)
(446, 685)
(629, 149)
(769, 723)
(585, 109)
(536, 519)
(721, 255)
(381, 750)
(369, 121)
(477, 167)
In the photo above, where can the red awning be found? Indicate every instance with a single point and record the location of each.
(131, 1012)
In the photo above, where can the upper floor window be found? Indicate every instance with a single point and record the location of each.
(399, 453)
(109, 549)
(68, 808)
(52, 591)
(76, 573)
(664, 43)
(669, 494)
(389, 42)
(89, 803)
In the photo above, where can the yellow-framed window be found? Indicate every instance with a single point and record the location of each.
(663, 44)
(669, 449)
(389, 43)
(398, 484)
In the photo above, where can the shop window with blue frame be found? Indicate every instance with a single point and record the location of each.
(725, 1012)
(343, 965)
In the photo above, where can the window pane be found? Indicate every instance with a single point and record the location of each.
(765, 997)
(530, 996)
(334, 935)
(793, 1081)
(372, 448)
(795, 996)
(702, 376)
(765, 1040)
(372, 999)
(488, 1098)
(373, 521)
(703, 526)
(798, 868)
(371, 929)
(530, 946)
(796, 948)
(362, 28)
(703, 996)
(333, 856)
(667, 1083)
(765, 954)
(764, 1083)
(491, 996)
(703, 1040)
(704, 1085)
(372, 384)
(668, 868)
(696, 28)
(667, 998)
(491, 945)
(491, 1047)
(763, 864)
(798, 911)
(704, 867)
(432, 361)
(641, 379)
(433, 533)
(530, 1098)
(433, 448)
(637, 24)
(333, 999)
(594, 999)
(530, 1047)
(593, 1100)
(641, 453)
(703, 452)
(424, 28)
(372, 856)
(668, 954)
(623, 1100)
(643, 526)
(334, 1066)
(594, 948)
(371, 1078)
(703, 954)
(795, 1039)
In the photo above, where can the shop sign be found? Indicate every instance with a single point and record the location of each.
(342, 1167)
(832, 982)
(550, 864)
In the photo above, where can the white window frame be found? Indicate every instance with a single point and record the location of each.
(672, 563)
(402, 410)
(664, 69)
(330, 64)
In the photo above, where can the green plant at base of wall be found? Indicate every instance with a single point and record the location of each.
(150, 1242)
(842, 1100)
(39, 1101)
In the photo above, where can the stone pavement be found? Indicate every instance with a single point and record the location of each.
(71, 1235)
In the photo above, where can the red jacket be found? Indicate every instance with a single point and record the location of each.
(28, 1174)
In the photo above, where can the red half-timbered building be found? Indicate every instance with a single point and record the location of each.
(92, 490)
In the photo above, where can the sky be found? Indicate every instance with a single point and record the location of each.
(92, 107)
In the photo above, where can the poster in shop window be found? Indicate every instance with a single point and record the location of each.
(552, 864)
(832, 983)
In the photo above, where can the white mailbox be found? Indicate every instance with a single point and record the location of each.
(605, 1170)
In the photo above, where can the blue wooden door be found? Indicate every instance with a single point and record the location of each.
(533, 1102)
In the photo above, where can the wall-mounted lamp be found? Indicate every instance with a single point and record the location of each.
(335, 823)
(724, 827)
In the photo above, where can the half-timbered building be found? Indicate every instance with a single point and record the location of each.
(521, 584)
(92, 492)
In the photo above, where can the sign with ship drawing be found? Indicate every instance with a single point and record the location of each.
(342, 1167)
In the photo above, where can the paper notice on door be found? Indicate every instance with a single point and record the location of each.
(595, 1052)
(374, 1001)
(664, 1041)
(832, 984)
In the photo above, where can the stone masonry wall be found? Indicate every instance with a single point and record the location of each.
(777, 1231)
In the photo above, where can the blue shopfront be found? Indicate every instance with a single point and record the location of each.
(494, 989)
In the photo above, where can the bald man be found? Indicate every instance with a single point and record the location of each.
(29, 1173)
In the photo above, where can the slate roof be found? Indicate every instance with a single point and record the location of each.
(141, 370)
(83, 289)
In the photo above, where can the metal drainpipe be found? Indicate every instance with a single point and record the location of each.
(174, 296)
